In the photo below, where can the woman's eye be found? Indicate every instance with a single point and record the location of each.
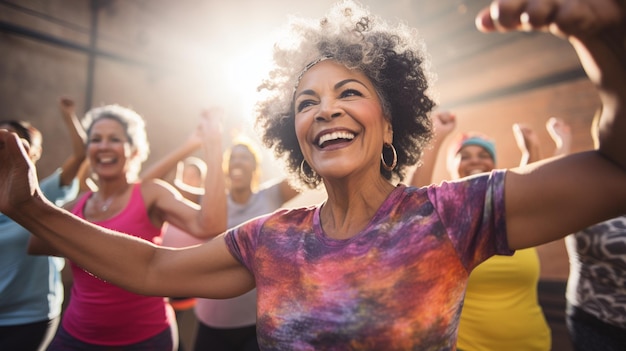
(304, 104)
(351, 92)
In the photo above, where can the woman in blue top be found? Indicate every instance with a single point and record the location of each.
(31, 290)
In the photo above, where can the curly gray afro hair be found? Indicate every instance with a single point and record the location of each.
(392, 57)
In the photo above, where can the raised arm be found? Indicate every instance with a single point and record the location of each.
(561, 134)
(210, 219)
(72, 164)
(549, 198)
(528, 143)
(444, 123)
(129, 262)
(163, 166)
(170, 161)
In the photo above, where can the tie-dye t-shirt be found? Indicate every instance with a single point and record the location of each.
(396, 285)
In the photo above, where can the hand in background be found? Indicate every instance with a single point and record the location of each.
(561, 134)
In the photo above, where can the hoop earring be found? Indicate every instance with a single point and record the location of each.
(395, 157)
(309, 179)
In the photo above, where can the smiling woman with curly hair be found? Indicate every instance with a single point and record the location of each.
(392, 57)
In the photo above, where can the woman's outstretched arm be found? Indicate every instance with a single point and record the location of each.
(549, 198)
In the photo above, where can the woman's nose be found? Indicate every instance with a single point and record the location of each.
(328, 110)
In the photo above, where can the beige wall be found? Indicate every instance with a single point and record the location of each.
(174, 55)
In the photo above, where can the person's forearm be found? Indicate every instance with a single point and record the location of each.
(38, 246)
(72, 164)
(565, 148)
(214, 211)
(531, 154)
(114, 257)
(77, 134)
(605, 62)
(160, 168)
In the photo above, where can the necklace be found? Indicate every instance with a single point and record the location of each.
(104, 206)
(107, 204)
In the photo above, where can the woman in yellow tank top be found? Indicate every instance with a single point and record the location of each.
(501, 310)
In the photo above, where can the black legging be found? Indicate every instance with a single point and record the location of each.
(28, 337)
(591, 334)
(232, 339)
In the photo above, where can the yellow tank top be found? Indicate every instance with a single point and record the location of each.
(501, 311)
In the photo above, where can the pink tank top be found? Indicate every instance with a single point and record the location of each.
(104, 314)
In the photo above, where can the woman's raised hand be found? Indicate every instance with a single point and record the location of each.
(18, 176)
(579, 18)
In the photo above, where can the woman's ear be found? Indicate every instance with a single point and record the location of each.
(388, 137)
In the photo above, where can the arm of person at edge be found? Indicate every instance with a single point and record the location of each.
(164, 165)
(540, 200)
(540, 203)
(71, 166)
(528, 143)
(209, 218)
(444, 123)
(69, 170)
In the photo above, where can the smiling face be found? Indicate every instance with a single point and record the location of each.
(473, 159)
(108, 148)
(339, 122)
(242, 167)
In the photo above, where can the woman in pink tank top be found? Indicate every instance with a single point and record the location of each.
(100, 313)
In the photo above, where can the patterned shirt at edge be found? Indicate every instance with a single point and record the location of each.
(396, 285)
(597, 280)
(31, 289)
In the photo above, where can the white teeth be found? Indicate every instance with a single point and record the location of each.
(333, 136)
(106, 159)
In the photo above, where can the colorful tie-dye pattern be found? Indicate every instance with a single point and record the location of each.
(397, 285)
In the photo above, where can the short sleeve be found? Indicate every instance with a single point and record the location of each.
(242, 240)
(472, 211)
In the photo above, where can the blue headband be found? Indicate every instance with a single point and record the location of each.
(485, 144)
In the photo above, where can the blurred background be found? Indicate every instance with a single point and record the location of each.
(170, 59)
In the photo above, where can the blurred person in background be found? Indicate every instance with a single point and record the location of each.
(31, 288)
